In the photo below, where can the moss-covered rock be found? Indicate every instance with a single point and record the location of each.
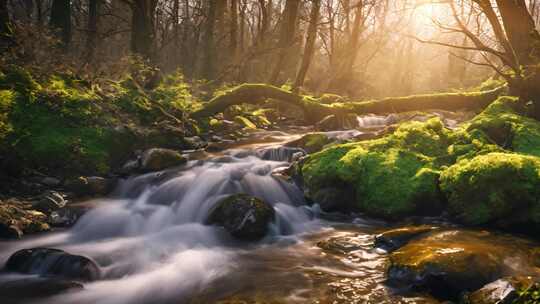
(498, 188)
(393, 176)
(398, 174)
(504, 124)
(243, 216)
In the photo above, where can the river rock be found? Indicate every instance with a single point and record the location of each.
(90, 186)
(341, 244)
(55, 262)
(157, 159)
(195, 142)
(502, 291)
(243, 216)
(21, 290)
(50, 181)
(448, 263)
(393, 239)
(50, 201)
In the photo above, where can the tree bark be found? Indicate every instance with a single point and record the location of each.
(208, 68)
(142, 28)
(92, 38)
(5, 28)
(520, 30)
(310, 44)
(233, 39)
(286, 40)
(61, 20)
(345, 67)
(314, 111)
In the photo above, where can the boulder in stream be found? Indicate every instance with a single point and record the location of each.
(395, 238)
(90, 185)
(53, 262)
(157, 159)
(244, 217)
(449, 263)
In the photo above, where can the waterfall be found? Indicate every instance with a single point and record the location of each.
(151, 241)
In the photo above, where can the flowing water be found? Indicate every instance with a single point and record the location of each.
(152, 245)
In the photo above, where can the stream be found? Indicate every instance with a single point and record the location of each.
(152, 246)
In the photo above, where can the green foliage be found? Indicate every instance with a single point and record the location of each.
(7, 98)
(62, 123)
(530, 295)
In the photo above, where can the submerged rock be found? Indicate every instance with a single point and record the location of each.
(393, 239)
(53, 262)
(243, 216)
(21, 290)
(341, 245)
(449, 263)
(157, 159)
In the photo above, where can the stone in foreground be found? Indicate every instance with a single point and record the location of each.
(53, 262)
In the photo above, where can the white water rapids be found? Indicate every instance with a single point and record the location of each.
(151, 243)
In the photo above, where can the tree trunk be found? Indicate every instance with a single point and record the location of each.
(142, 28)
(344, 71)
(92, 38)
(5, 28)
(233, 39)
(208, 68)
(314, 111)
(61, 20)
(310, 44)
(286, 39)
(520, 30)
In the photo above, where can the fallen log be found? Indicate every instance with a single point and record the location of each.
(315, 111)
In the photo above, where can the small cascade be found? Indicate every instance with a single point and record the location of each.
(152, 236)
(375, 121)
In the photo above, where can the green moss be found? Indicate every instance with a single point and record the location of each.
(7, 98)
(494, 187)
(503, 124)
(393, 176)
(399, 174)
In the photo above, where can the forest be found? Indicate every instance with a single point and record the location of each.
(270, 151)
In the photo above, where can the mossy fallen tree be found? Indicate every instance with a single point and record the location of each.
(315, 111)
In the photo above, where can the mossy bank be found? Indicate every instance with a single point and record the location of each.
(485, 172)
